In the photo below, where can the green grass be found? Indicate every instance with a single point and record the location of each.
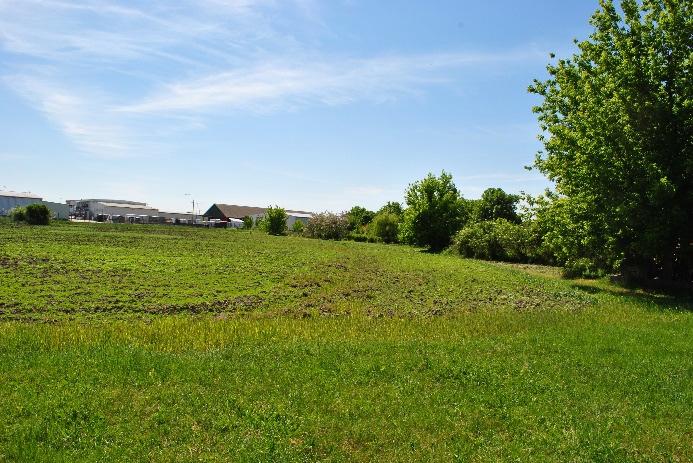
(164, 344)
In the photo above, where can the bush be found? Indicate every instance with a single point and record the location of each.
(478, 241)
(385, 226)
(582, 267)
(38, 214)
(247, 222)
(274, 221)
(298, 227)
(18, 214)
(497, 240)
(362, 238)
(33, 214)
(327, 226)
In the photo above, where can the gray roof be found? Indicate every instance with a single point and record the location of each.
(127, 205)
(16, 194)
(112, 201)
(238, 212)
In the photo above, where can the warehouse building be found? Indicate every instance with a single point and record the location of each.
(91, 209)
(226, 212)
(58, 210)
(11, 199)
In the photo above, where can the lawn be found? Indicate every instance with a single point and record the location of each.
(148, 343)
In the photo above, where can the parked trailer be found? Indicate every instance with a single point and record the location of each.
(235, 223)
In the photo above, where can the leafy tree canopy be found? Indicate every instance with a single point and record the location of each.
(358, 217)
(435, 212)
(392, 207)
(497, 204)
(617, 128)
(274, 221)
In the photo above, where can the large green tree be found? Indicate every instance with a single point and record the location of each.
(435, 212)
(618, 135)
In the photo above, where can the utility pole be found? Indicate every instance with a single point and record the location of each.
(193, 208)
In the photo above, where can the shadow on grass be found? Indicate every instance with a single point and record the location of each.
(677, 302)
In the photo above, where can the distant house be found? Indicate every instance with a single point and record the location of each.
(226, 212)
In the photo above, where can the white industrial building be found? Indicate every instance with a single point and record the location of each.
(58, 210)
(11, 199)
(90, 209)
(121, 211)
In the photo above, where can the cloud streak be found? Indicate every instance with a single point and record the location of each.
(114, 79)
(81, 119)
(282, 85)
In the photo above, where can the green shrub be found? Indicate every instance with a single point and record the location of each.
(38, 214)
(33, 214)
(327, 226)
(18, 214)
(358, 237)
(385, 227)
(247, 222)
(362, 237)
(477, 240)
(582, 268)
(274, 221)
(298, 227)
(497, 240)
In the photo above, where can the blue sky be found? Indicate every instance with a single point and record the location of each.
(308, 104)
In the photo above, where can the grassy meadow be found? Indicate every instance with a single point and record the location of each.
(153, 343)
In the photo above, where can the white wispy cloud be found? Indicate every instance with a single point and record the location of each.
(80, 118)
(116, 80)
(281, 85)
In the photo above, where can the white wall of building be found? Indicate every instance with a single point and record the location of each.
(9, 200)
(58, 210)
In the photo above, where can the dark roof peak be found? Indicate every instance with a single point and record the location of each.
(234, 211)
